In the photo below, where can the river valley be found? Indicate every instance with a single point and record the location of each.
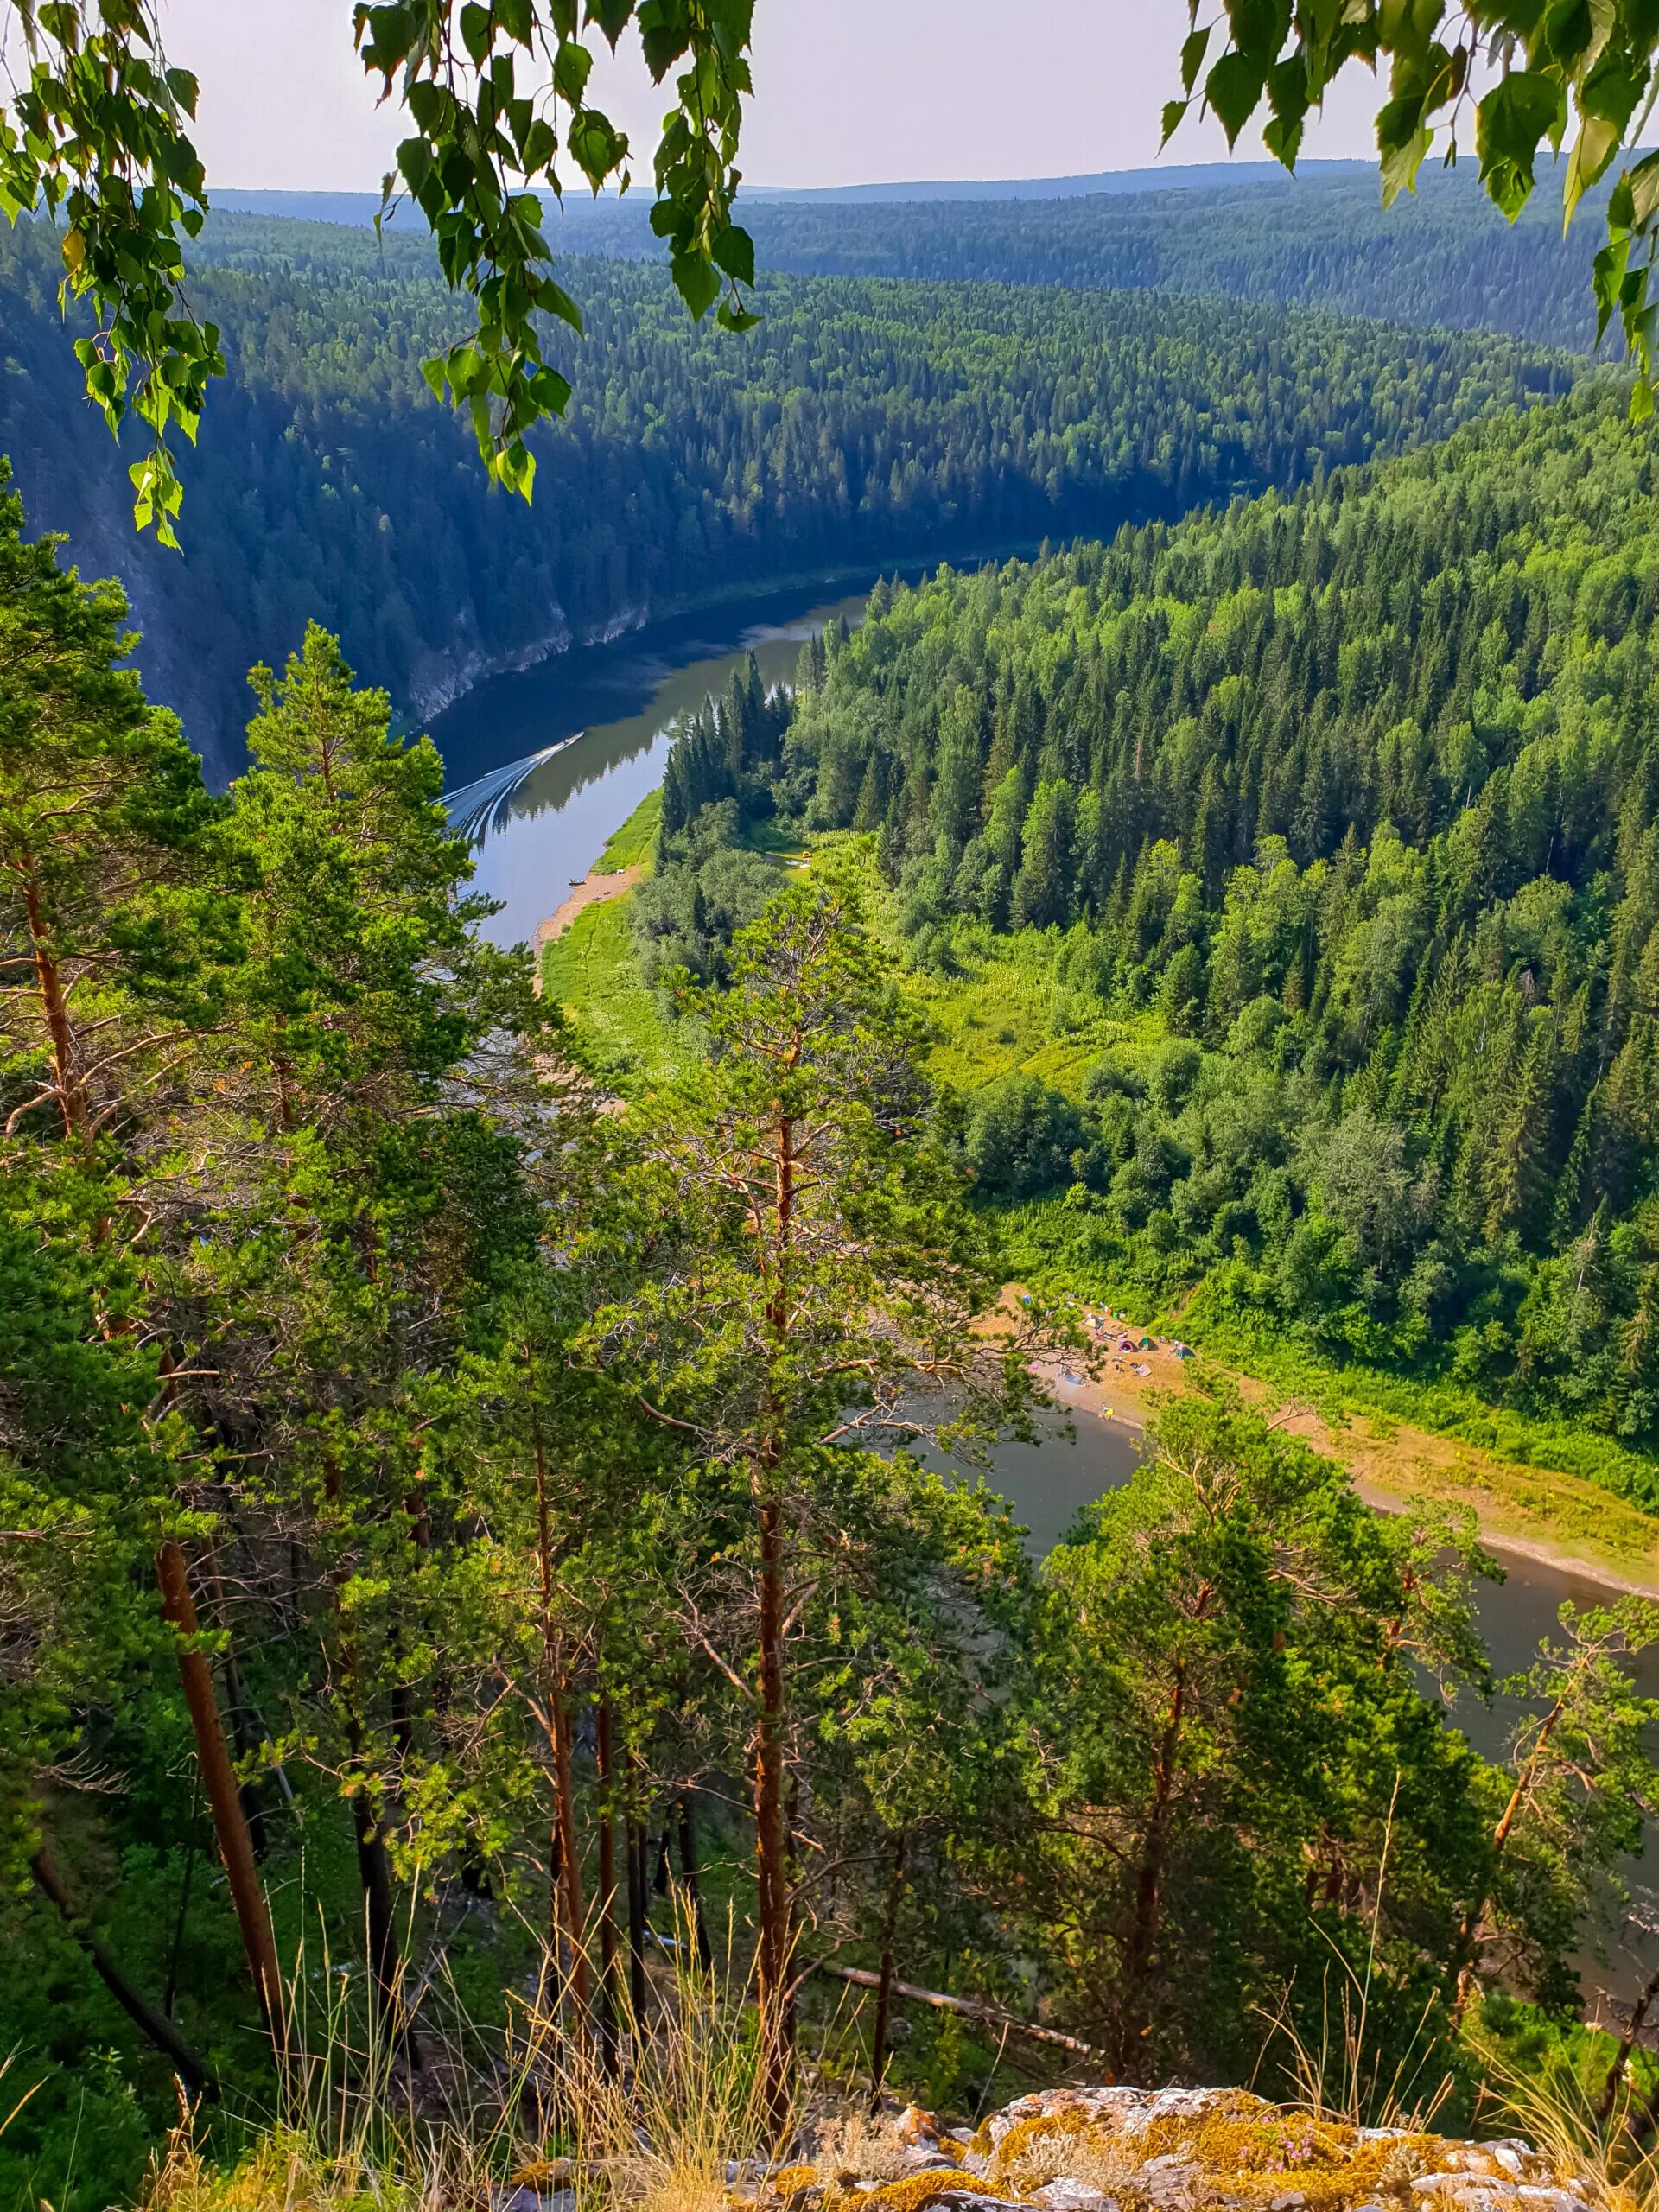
(610, 712)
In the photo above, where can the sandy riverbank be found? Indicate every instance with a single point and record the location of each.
(1398, 1466)
(590, 891)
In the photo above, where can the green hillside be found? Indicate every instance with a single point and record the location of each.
(863, 420)
(1336, 818)
(1442, 255)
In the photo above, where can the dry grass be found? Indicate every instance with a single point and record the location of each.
(655, 2135)
(288, 2171)
(852, 2145)
(1612, 2162)
(658, 2135)
(662, 2130)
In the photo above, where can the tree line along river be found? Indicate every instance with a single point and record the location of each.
(603, 717)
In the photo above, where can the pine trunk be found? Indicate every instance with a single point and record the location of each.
(1143, 1930)
(771, 1839)
(54, 1008)
(774, 1901)
(1639, 2011)
(219, 1785)
(637, 1878)
(190, 2070)
(608, 2006)
(688, 1842)
(884, 1994)
(374, 1872)
(245, 1732)
(564, 1854)
(1469, 1931)
(569, 1848)
(373, 1860)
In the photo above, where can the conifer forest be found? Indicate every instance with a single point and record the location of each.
(519, 1614)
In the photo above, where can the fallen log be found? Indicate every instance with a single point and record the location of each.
(969, 2007)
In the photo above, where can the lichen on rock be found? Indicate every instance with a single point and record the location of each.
(1125, 2150)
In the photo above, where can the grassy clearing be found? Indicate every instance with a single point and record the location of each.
(633, 844)
(776, 843)
(1004, 1006)
(995, 1018)
(590, 971)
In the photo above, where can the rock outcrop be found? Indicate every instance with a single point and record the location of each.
(1121, 2150)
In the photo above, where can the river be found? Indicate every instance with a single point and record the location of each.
(1046, 1484)
(611, 709)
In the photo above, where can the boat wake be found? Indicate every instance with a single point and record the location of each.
(480, 807)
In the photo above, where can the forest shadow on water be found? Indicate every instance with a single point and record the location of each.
(551, 830)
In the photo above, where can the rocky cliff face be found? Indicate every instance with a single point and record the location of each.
(1122, 2150)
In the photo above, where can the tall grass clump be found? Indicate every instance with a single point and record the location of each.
(637, 2111)
(658, 2133)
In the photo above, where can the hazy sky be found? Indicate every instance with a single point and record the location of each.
(847, 92)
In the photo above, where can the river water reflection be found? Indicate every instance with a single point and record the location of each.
(619, 702)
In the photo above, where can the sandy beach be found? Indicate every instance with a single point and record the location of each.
(1392, 1471)
(590, 891)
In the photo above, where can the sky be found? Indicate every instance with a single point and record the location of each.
(847, 91)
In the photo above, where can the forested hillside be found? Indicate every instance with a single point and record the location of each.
(524, 1686)
(862, 420)
(1352, 798)
(1443, 256)
(478, 1516)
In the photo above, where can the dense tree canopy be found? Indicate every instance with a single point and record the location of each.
(1510, 76)
(1445, 257)
(861, 420)
(1351, 792)
(96, 130)
(493, 1519)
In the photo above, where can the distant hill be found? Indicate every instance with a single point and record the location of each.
(1440, 257)
(1443, 255)
(863, 421)
(356, 210)
(1173, 176)
(360, 207)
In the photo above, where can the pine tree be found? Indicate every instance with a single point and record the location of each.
(1042, 889)
(868, 813)
(822, 1287)
(111, 962)
(376, 1042)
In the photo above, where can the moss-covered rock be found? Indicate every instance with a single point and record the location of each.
(1122, 2150)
